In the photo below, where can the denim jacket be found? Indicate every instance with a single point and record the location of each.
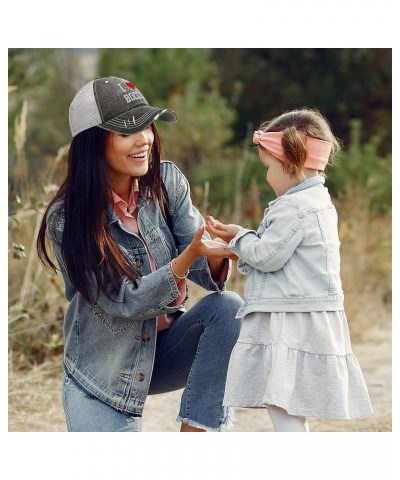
(109, 347)
(292, 260)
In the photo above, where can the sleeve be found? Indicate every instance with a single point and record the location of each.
(273, 248)
(148, 298)
(186, 220)
(151, 297)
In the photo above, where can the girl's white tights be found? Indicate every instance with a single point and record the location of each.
(283, 422)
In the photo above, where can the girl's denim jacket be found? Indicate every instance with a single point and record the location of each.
(109, 347)
(293, 259)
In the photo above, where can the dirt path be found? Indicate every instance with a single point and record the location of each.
(35, 400)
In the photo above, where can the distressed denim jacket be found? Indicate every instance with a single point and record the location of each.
(292, 260)
(109, 347)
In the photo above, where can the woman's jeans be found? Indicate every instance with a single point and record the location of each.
(193, 353)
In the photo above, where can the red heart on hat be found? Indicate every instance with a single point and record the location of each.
(130, 85)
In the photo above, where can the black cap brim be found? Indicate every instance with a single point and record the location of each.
(138, 119)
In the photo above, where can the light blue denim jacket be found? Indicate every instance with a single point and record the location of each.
(109, 348)
(293, 259)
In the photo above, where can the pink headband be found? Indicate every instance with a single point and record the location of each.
(317, 150)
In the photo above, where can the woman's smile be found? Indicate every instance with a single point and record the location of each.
(139, 156)
(128, 156)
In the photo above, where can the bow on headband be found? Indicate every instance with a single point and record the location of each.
(317, 150)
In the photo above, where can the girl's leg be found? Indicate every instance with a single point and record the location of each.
(85, 413)
(193, 353)
(283, 422)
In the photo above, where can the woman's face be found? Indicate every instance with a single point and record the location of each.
(128, 155)
(279, 180)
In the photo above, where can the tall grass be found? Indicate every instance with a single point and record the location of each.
(36, 302)
(366, 265)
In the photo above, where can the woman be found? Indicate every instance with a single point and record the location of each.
(126, 236)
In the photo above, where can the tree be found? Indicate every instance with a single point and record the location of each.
(343, 83)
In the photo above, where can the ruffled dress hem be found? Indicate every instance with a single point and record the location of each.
(307, 384)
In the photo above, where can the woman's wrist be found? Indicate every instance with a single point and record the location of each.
(181, 264)
(180, 277)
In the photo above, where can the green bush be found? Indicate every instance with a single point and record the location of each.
(240, 173)
(360, 166)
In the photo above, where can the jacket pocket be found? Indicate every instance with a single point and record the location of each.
(114, 324)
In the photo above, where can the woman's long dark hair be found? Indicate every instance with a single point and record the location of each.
(88, 247)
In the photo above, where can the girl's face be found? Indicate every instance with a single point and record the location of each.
(279, 180)
(128, 155)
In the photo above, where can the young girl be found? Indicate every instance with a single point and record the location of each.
(294, 355)
(126, 235)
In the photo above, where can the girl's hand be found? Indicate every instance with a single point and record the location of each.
(222, 230)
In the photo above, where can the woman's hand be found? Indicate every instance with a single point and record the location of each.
(224, 231)
(215, 251)
(200, 247)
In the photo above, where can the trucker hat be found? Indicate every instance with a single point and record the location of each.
(114, 104)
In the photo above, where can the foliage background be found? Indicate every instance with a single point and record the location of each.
(220, 96)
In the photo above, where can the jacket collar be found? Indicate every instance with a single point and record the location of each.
(113, 217)
(310, 182)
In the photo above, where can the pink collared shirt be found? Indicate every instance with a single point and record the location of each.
(127, 213)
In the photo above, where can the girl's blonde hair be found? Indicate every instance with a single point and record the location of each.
(294, 124)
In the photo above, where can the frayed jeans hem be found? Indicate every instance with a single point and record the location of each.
(226, 422)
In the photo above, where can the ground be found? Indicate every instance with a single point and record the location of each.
(35, 400)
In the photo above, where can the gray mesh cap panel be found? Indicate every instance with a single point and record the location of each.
(83, 111)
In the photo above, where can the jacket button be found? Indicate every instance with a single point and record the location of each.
(138, 262)
(146, 337)
(139, 377)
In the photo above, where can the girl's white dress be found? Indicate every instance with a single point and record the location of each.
(294, 348)
(302, 362)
